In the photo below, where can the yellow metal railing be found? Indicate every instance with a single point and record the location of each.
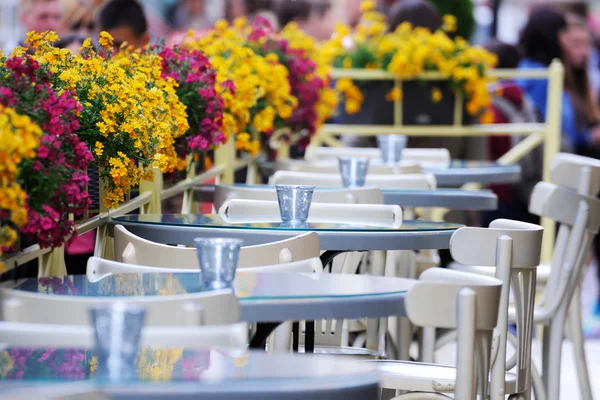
(51, 263)
(546, 133)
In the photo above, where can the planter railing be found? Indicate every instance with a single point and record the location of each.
(51, 263)
(546, 133)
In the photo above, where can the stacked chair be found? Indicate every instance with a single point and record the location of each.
(567, 201)
(513, 248)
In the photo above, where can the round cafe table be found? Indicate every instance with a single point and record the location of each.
(457, 174)
(188, 374)
(268, 298)
(461, 172)
(453, 199)
(337, 237)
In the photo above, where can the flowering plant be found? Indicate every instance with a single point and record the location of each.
(255, 88)
(130, 116)
(306, 84)
(196, 88)
(73, 364)
(55, 180)
(408, 51)
(19, 137)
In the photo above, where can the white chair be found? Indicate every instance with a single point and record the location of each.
(364, 195)
(426, 158)
(579, 219)
(404, 181)
(132, 249)
(451, 300)
(236, 210)
(581, 174)
(74, 336)
(376, 167)
(217, 307)
(514, 249)
(99, 268)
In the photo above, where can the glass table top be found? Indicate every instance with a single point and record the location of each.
(216, 221)
(436, 191)
(175, 364)
(248, 286)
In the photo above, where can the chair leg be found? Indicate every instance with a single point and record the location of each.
(280, 340)
(552, 353)
(404, 337)
(427, 345)
(574, 329)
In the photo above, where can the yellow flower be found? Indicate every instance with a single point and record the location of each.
(487, 117)
(19, 137)
(221, 25)
(394, 95)
(449, 23)
(99, 149)
(106, 40)
(87, 44)
(436, 95)
(366, 6)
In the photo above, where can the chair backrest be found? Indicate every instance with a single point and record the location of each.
(207, 308)
(426, 158)
(268, 211)
(561, 204)
(406, 181)
(579, 173)
(331, 167)
(458, 300)
(514, 248)
(81, 336)
(432, 301)
(363, 195)
(579, 218)
(132, 249)
(478, 246)
(99, 268)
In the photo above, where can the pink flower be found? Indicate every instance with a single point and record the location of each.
(42, 151)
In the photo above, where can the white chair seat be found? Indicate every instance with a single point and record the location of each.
(422, 377)
(342, 351)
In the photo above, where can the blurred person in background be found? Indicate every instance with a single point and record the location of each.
(418, 12)
(39, 16)
(314, 17)
(126, 21)
(188, 14)
(251, 9)
(78, 21)
(548, 36)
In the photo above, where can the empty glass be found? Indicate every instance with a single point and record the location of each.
(117, 331)
(294, 202)
(391, 147)
(218, 258)
(353, 171)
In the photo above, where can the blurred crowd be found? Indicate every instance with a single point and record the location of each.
(558, 31)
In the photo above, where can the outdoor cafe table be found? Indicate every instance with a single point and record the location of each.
(457, 174)
(453, 199)
(335, 238)
(461, 172)
(268, 298)
(182, 373)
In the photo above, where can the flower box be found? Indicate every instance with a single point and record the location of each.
(418, 108)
